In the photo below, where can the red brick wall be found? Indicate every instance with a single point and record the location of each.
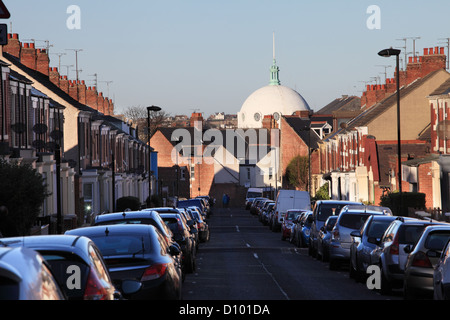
(291, 145)
(425, 182)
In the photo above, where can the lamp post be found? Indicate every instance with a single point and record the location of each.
(149, 109)
(388, 53)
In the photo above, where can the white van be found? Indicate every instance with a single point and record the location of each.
(289, 199)
(252, 193)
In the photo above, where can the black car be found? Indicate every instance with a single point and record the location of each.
(71, 256)
(135, 217)
(184, 237)
(138, 252)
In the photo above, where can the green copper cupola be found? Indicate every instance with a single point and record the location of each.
(274, 72)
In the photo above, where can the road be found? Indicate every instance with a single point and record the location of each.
(244, 260)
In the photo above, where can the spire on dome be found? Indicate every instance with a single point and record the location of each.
(274, 70)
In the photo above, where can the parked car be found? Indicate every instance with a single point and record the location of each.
(191, 223)
(193, 202)
(252, 193)
(422, 260)
(206, 204)
(390, 255)
(135, 217)
(202, 225)
(183, 235)
(350, 218)
(138, 252)
(264, 209)
(302, 229)
(323, 244)
(288, 222)
(64, 251)
(265, 214)
(441, 276)
(364, 242)
(254, 205)
(25, 275)
(322, 210)
(289, 199)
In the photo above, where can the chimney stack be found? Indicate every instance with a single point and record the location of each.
(13, 47)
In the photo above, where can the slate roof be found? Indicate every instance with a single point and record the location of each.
(300, 126)
(346, 103)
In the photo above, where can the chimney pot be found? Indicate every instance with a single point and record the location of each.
(15, 36)
(442, 50)
(425, 51)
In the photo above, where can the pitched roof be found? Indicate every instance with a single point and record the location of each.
(345, 103)
(303, 130)
(443, 89)
(45, 81)
(373, 112)
(239, 138)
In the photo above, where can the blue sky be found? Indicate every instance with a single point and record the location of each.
(210, 55)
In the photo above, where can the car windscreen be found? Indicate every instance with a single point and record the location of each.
(291, 215)
(190, 203)
(254, 194)
(172, 223)
(126, 244)
(61, 263)
(128, 221)
(437, 240)
(326, 210)
(353, 221)
(377, 228)
(410, 234)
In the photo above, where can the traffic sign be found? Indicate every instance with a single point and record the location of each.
(4, 13)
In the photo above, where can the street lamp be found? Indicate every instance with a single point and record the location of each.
(388, 53)
(149, 109)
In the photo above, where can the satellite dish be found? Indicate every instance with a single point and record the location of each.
(50, 146)
(40, 128)
(19, 127)
(56, 134)
(38, 144)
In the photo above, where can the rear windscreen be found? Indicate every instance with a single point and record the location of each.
(328, 209)
(123, 245)
(377, 228)
(410, 234)
(254, 194)
(61, 262)
(437, 240)
(353, 221)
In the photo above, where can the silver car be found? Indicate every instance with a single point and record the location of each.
(422, 260)
(390, 255)
(349, 219)
(25, 275)
(441, 276)
(364, 242)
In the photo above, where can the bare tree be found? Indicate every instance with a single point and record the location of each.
(138, 114)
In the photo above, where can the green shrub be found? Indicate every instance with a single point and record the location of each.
(410, 200)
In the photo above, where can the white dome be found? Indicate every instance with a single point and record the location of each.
(274, 100)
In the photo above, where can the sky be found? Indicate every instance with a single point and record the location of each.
(209, 55)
